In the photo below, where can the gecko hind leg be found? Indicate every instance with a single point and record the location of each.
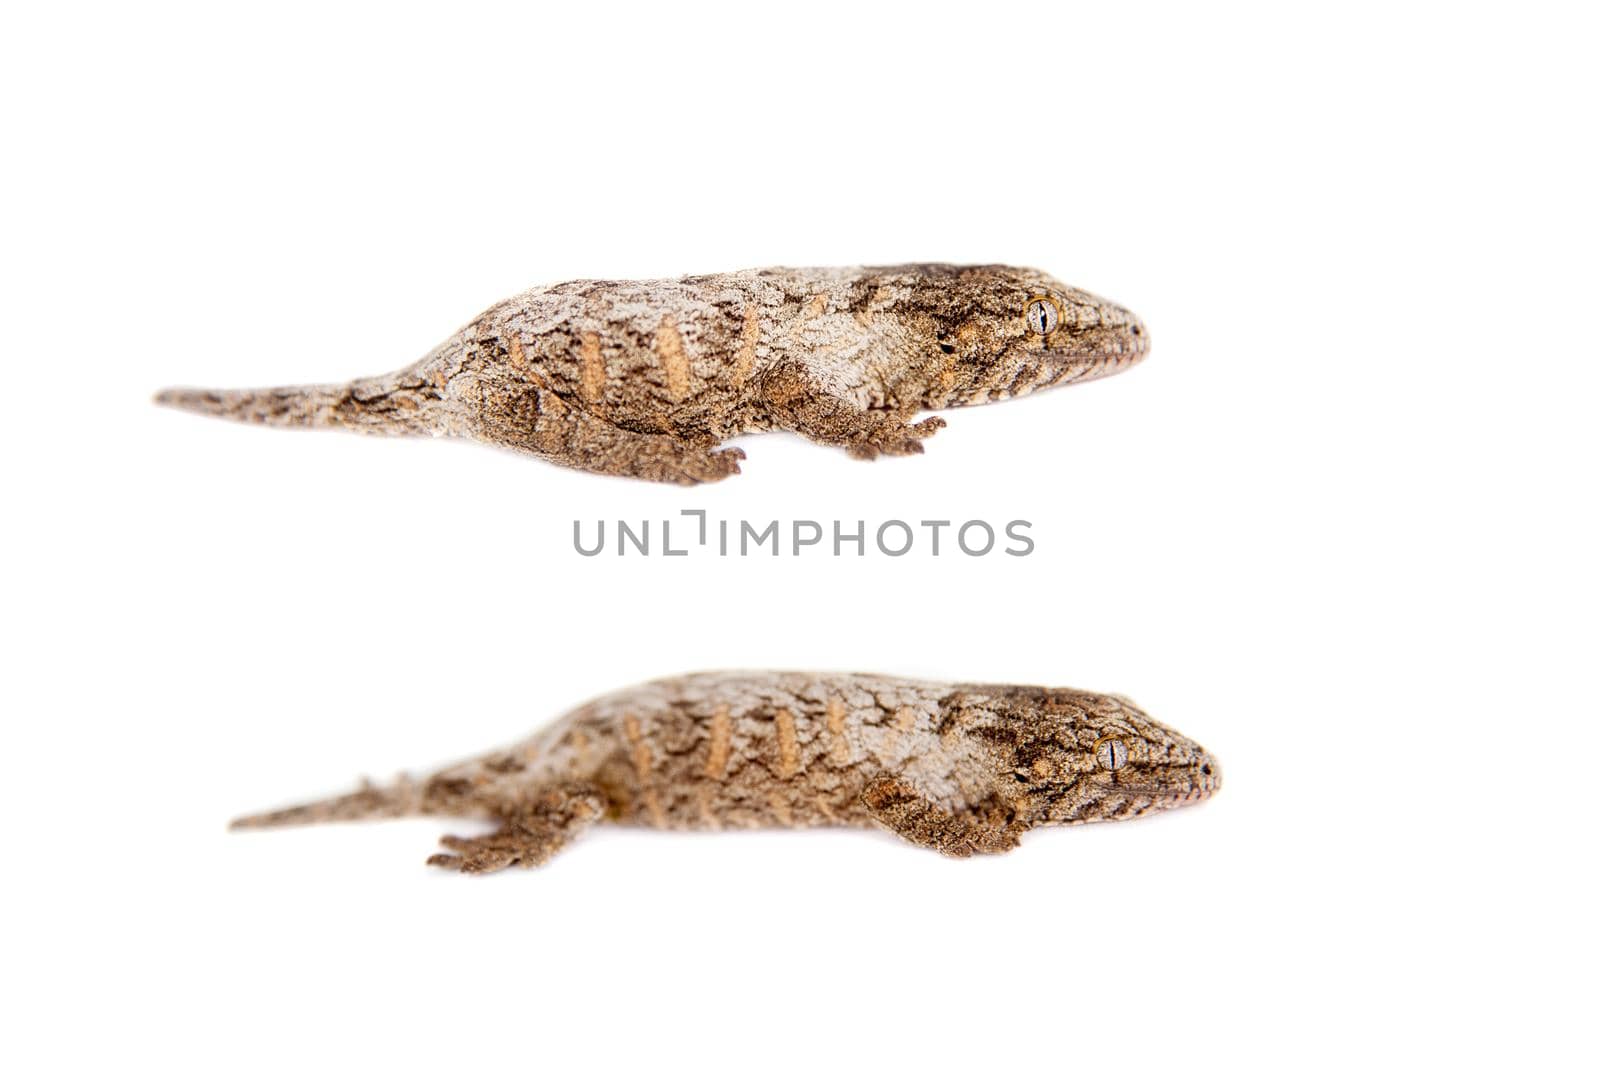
(898, 806)
(528, 835)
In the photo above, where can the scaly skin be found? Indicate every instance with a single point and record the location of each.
(646, 379)
(962, 769)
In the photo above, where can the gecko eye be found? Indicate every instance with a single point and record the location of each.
(1111, 753)
(1043, 315)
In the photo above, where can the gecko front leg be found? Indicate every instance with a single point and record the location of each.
(796, 405)
(870, 434)
(900, 807)
(529, 834)
(545, 423)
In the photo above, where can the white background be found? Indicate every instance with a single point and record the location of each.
(1339, 527)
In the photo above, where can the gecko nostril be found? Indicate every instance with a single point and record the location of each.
(1205, 768)
(946, 348)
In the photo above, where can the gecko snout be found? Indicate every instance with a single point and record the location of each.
(1191, 775)
(1099, 339)
(1128, 341)
(1205, 775)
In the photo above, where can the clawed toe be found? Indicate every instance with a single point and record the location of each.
(528, 835)
(906, 443)
(725, 464)
(903, 439)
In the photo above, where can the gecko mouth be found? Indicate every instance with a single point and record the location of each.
(1129, 347)
(1202, 786)
(1175, 796)
(1113, 356)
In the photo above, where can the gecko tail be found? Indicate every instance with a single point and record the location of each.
(399, 405)
(369, 802)
(315, 405)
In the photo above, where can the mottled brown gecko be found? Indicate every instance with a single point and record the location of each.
(958, 768)
(646, 379)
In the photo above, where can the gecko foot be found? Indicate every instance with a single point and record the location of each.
(803, 406)
(528, 835)
(895, 439)
(708, 467)
(490, 852)
(662, 459)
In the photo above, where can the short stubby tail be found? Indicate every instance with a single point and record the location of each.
(398, 405)
(369, 802)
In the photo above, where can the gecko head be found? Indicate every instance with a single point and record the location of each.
(1089, 757)
(1005, 332)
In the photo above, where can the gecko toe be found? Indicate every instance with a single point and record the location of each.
(717, 466)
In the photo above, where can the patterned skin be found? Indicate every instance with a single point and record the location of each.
(962, 769)
(647, 379)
